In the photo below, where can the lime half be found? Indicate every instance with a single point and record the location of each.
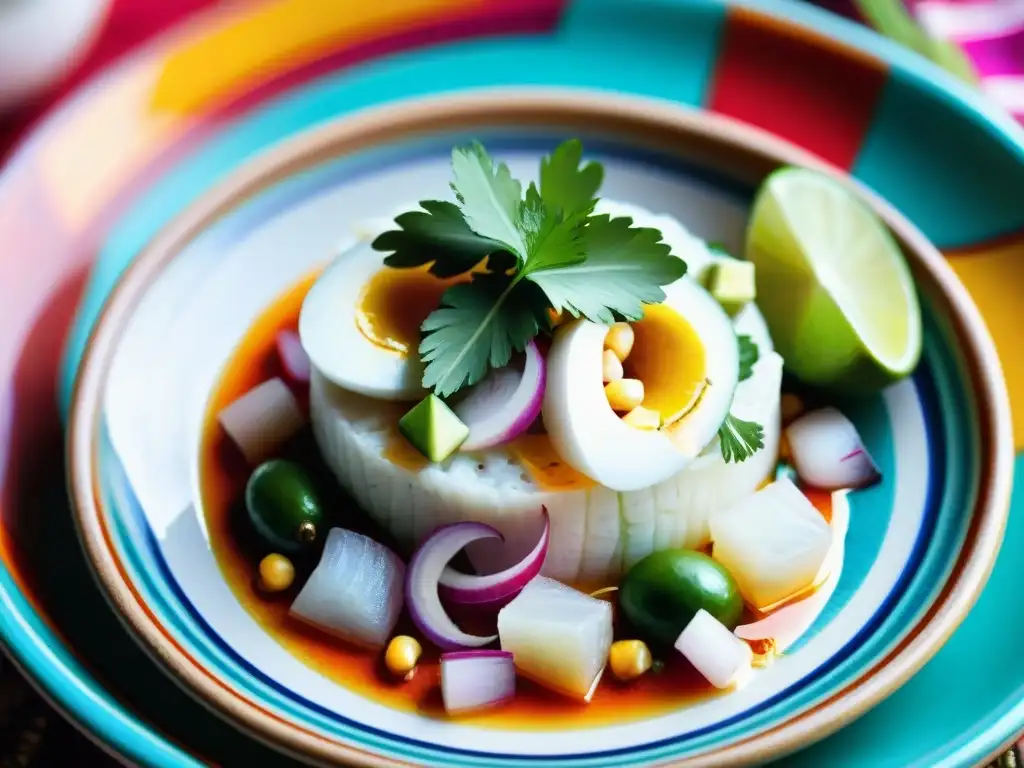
(832, 284)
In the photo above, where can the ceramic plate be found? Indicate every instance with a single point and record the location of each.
(919, 545)
(65, 191)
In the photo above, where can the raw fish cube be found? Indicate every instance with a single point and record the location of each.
(558, 635)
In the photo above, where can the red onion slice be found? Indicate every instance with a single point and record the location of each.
(496, 589)
(504, 404)
(423, 576)
(828, 452)
(473, 680)
(293, 357)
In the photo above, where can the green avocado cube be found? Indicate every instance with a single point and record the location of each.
(433, 429)
(732, 283)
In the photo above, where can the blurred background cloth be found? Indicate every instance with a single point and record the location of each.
(979, 41)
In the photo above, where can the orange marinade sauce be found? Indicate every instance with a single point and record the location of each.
(223, 476)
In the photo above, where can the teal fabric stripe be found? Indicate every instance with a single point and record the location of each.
(928, 161)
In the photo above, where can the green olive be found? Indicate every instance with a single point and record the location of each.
(283, 506)
(664, 591)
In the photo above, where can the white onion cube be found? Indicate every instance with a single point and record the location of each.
(262, 420)
(473, 682)
(714, 651)
(356, 590)
(773, 542)
(558, 636)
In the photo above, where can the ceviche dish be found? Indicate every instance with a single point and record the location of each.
(526, 453)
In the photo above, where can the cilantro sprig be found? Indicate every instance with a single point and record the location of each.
(749, 355)
(530, 252)
(545, 249)
(740, 439)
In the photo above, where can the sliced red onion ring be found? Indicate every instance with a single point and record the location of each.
(293, 357)
(828, 453)
(473, 680)
(421, 584)
(497, 589)
(505, 404)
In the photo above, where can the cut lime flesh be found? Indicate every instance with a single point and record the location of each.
(832, 283)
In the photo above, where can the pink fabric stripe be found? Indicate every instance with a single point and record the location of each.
(997, 55)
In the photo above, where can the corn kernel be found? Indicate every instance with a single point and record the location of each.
(624, 394)
(629, 659)
(642, 418)
(401, 656)
(611, 367)
(792, 407)
(620, 340)
(276, 573)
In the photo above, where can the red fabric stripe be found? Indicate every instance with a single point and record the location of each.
(793, 84)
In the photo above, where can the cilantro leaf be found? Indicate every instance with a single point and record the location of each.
(565, 186)
(437, 234)
(551, 239)
(477, 327)
(624, 267)
(740, 439)
(749, 355)
(489, 197)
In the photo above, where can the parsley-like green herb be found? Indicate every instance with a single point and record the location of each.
(477, 327)
(748, 356)
(624, 269)
(437, 234)
(528, 253)
(565, 185)
(740, 439)
(490, 199)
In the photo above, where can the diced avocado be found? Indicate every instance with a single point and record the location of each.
(433, 429)
(731, 282)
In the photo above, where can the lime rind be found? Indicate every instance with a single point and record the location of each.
(833, 283)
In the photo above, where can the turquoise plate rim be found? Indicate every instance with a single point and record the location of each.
(138, 232)
(140, 554)
(71, 688)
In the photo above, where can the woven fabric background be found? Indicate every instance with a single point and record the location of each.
(980, 41)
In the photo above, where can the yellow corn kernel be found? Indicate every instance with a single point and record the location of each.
(611, 367)
(642, 418)
(624, 394)
(792, 407)
(276, 573)
(620, 340)
(629, 659)
(401, 656)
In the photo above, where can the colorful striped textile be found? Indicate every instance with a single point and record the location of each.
(981, 41)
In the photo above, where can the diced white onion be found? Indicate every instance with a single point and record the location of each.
(473, 680)
(828, 452)
(773, 542)
(714, 651)
(559, 636)
(262, 420)
(356, 590)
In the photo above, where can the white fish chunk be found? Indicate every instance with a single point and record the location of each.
(558, 636)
